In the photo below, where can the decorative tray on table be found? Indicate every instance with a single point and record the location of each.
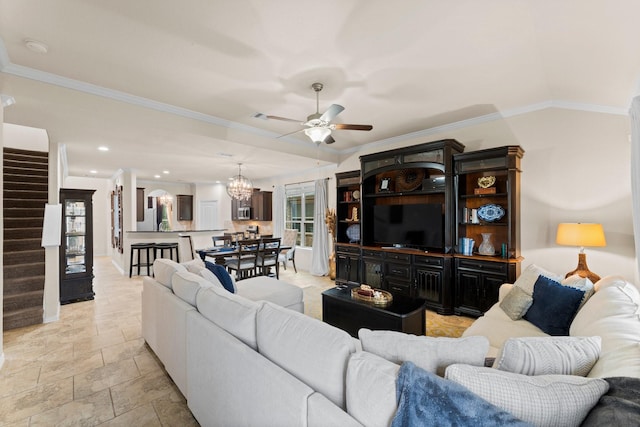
(377, 297)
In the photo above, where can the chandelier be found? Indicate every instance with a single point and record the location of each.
(239, 187)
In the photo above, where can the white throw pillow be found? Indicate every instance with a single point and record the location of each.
(528, 278)
(194, 266)
(549, 355)
(428, 353)
(208, 275)
(543, 400)
(371, 389)
(582, 284)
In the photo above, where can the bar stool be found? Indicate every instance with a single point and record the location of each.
(171, 247)
(138, 247)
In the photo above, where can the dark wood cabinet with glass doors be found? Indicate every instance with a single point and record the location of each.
(76, 249)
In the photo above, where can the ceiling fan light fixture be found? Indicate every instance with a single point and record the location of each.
(239, 187)
(317, 134)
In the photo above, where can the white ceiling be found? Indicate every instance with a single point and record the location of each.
(169, 85)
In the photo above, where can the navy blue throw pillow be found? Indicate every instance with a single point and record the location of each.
(554, 306)
(222, 274)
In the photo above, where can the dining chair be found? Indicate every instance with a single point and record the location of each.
(244, 263)
(289, 239)
(222, 241)
(185, 248)
(268, 256)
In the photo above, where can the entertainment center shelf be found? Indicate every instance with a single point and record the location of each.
(428, 197)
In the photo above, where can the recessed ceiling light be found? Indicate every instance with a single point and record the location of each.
(165, 172)
(103, 148)
(93, 171)
(36, 46)
(156, 176)
(217, 182)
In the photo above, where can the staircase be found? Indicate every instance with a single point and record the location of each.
(25, 194)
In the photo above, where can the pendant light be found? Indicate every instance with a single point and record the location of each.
(239, 187)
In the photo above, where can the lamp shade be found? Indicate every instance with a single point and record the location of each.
(580, 234)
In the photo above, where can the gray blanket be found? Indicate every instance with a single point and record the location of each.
(620, 406)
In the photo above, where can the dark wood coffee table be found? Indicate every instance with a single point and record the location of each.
(403, 314)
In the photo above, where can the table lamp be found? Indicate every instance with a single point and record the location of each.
(579, 234)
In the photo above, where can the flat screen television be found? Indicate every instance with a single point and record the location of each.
(418, 226)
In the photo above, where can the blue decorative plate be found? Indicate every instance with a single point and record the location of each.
(353, 233)
(490, 212)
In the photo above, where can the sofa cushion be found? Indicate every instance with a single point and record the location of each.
(554, 306)
(223, 276)
(543, 400)
(270, 289)
(613, 313)
(424, 399)
(549, 355)
(516, 303)
(194, 265)
(527, 279)
(498, 328)
(163, 269)
(371, 389)
(313, 351)
(428, 353)
(231, 312)
(186, 286)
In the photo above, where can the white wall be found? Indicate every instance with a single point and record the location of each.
(576, 168)
(101, 210)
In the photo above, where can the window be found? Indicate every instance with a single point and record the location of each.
(300, 199)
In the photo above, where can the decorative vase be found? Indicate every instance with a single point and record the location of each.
(332, 266)
(486, 247)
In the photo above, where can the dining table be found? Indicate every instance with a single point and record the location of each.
(220, 253)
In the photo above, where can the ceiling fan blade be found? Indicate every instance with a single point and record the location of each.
(267, 117)
(331, 112)
(352, 127)
(329, 140)
(291, 133)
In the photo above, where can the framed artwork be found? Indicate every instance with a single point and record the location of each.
(385, 184)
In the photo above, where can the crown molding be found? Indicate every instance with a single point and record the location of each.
(42, 76)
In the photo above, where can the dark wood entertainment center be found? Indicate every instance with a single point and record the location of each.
(429, 264)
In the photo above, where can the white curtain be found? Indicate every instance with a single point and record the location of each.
(635, 173)
(278, 211)
(320, 248)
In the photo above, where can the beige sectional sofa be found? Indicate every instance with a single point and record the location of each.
(612, 313)
(255, 361)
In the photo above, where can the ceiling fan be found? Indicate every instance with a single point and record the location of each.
(318, 126)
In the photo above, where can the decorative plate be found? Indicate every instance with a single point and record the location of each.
(490, 212)
(409, 179)
(353, 233)
(356, 195)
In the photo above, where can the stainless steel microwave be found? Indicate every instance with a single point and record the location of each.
(244, 213)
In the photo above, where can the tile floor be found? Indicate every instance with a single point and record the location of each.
(92, 367)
